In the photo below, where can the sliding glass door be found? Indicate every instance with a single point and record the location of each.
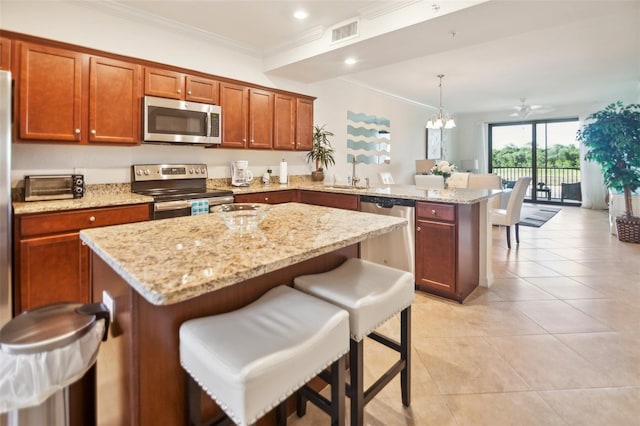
(550, 145)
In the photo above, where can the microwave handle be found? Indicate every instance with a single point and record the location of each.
(208, 124)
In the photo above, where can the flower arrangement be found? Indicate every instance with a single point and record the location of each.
(444, 169)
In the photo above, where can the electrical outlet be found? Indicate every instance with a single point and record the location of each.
(110, 304)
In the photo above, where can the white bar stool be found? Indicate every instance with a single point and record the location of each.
(372, 294)
(251, 359)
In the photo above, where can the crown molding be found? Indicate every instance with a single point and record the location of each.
(133, 14)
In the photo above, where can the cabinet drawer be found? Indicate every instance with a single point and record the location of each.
(275, 197)
(435, 211)
(76, 220)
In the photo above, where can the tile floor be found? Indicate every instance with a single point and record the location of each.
(555, 340)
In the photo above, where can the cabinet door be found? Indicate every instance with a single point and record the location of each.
(436, 256)
(53, 269)
(340, 201)
(200, 89)
(50, 93)
(114, 102)
(5, 54)
(260, 119)
(304, 124)
(233, 100)
(163, 83)
(284, 122)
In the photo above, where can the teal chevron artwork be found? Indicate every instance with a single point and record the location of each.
(368, 139)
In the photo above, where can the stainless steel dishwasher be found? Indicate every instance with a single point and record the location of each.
(396, 248)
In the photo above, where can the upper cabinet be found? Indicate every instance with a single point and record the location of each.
(234, 100)
(5, 54)
(304, 124)
(76, 95)
(72, 97)
(293, 123)
(175, 85)
(260, 119)
(114, 101)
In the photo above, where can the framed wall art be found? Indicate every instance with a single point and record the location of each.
(434, 144)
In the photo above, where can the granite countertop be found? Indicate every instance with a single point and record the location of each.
(411, 192)
(106, 195)
(173, 260)
(96, 196)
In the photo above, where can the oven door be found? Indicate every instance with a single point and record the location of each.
(180, 122)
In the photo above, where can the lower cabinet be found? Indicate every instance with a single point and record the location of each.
(447, 244)
(340, 201)
(51, 264)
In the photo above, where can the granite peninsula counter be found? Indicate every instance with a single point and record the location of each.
(161, 273)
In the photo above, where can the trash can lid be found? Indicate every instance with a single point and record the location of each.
(46, 328)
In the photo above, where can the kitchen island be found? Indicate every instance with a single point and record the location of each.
(159, 274)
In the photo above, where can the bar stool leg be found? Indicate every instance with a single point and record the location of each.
(356, 388)
(405, 354)
(338, 393)
(281, 414)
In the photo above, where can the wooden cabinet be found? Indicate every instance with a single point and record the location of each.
(293, 123)
(5, 54)
(447, 244)
(341, 201)
(51, 263)
(260, 119)
(50, 94)
(271, 197)
(114, 102)
(304, 124)
(176, 85)
(71, 97)
(234, 100)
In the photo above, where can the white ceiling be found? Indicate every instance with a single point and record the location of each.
(553, 53)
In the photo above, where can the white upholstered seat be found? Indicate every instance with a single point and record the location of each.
(484, 181)
(372, 294)
(458, 180)
(511, 215)
(251, 359)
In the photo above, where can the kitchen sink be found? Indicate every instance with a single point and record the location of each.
(346, 187)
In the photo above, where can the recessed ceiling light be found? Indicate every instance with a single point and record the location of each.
(300, 14)
(350, 61)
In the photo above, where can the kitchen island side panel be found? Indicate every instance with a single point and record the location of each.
(140, 380)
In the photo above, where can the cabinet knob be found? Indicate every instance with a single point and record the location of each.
(93, 132)
(266, 198)
(179, 91)
(418, 229)
(77, 131)
(433, 212)
(188, 92)
(92, 219)
(244, 140)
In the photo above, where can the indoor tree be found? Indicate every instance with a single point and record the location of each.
(612, 138)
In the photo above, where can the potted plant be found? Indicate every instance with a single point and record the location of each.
(321, 152)
(612, 139)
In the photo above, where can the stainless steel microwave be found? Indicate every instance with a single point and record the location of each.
(181, 122)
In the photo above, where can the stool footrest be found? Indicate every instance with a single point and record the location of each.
(383, 381)
(390, 343)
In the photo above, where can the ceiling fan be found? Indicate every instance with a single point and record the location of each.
(523, 110)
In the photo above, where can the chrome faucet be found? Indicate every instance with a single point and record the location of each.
(354, 178)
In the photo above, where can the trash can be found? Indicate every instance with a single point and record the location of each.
(42, 352)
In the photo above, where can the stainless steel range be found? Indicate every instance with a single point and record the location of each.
(177, 189)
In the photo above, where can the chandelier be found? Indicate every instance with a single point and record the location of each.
(440, 121)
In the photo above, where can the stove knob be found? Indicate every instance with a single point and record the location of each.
(139, 172)
(190, 171)
(147, 172)
(203, 171)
